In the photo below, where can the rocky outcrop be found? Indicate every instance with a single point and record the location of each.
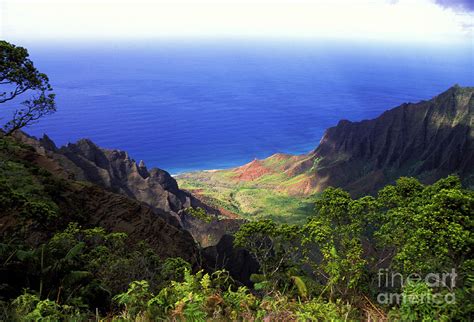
(209, 233)
(91, 206)
(117, 172)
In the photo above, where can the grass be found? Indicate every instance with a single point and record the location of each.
(277, 162)
(19, 175)
(257, 203)
(251, 200)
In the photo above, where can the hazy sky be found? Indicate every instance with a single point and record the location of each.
(439, 21)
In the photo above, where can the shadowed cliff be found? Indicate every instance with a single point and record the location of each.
(429, 140)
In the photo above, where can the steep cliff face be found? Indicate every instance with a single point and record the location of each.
(115, 170)
(428, 140)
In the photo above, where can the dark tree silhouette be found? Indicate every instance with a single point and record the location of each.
(18, 76)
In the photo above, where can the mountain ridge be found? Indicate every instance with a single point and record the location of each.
(437, 134)
(27, 172)
(428, 140)
(115, 171)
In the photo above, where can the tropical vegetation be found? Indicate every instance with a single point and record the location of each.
(328, 268)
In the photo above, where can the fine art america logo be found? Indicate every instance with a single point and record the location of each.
(440, 285)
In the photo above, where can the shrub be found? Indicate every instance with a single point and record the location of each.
(29, 307)
(40, 211)
(317, 310)
(135, 299)
(199, 213)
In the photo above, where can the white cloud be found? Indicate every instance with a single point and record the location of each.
(404, 20)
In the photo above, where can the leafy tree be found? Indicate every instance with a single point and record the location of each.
(274, 247)
(430, 227)
(333, 240)
(19, 76)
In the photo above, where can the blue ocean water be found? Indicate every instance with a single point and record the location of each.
(185, 106)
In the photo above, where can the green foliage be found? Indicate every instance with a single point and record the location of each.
(301, 286)
(250, 200)
(135, 299)
(9, 198)
(418, 229)
(82, 268)
(275, 248)
(19, 76)
(324, 269)
(25, 303)
(174, 269)
(29, 307)
(333, 240)
(199, 213)
(40, 211)
(416, 304)
(420, 304)
(317, 310)
(197, 297)
(432, 227)
(22, 189)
